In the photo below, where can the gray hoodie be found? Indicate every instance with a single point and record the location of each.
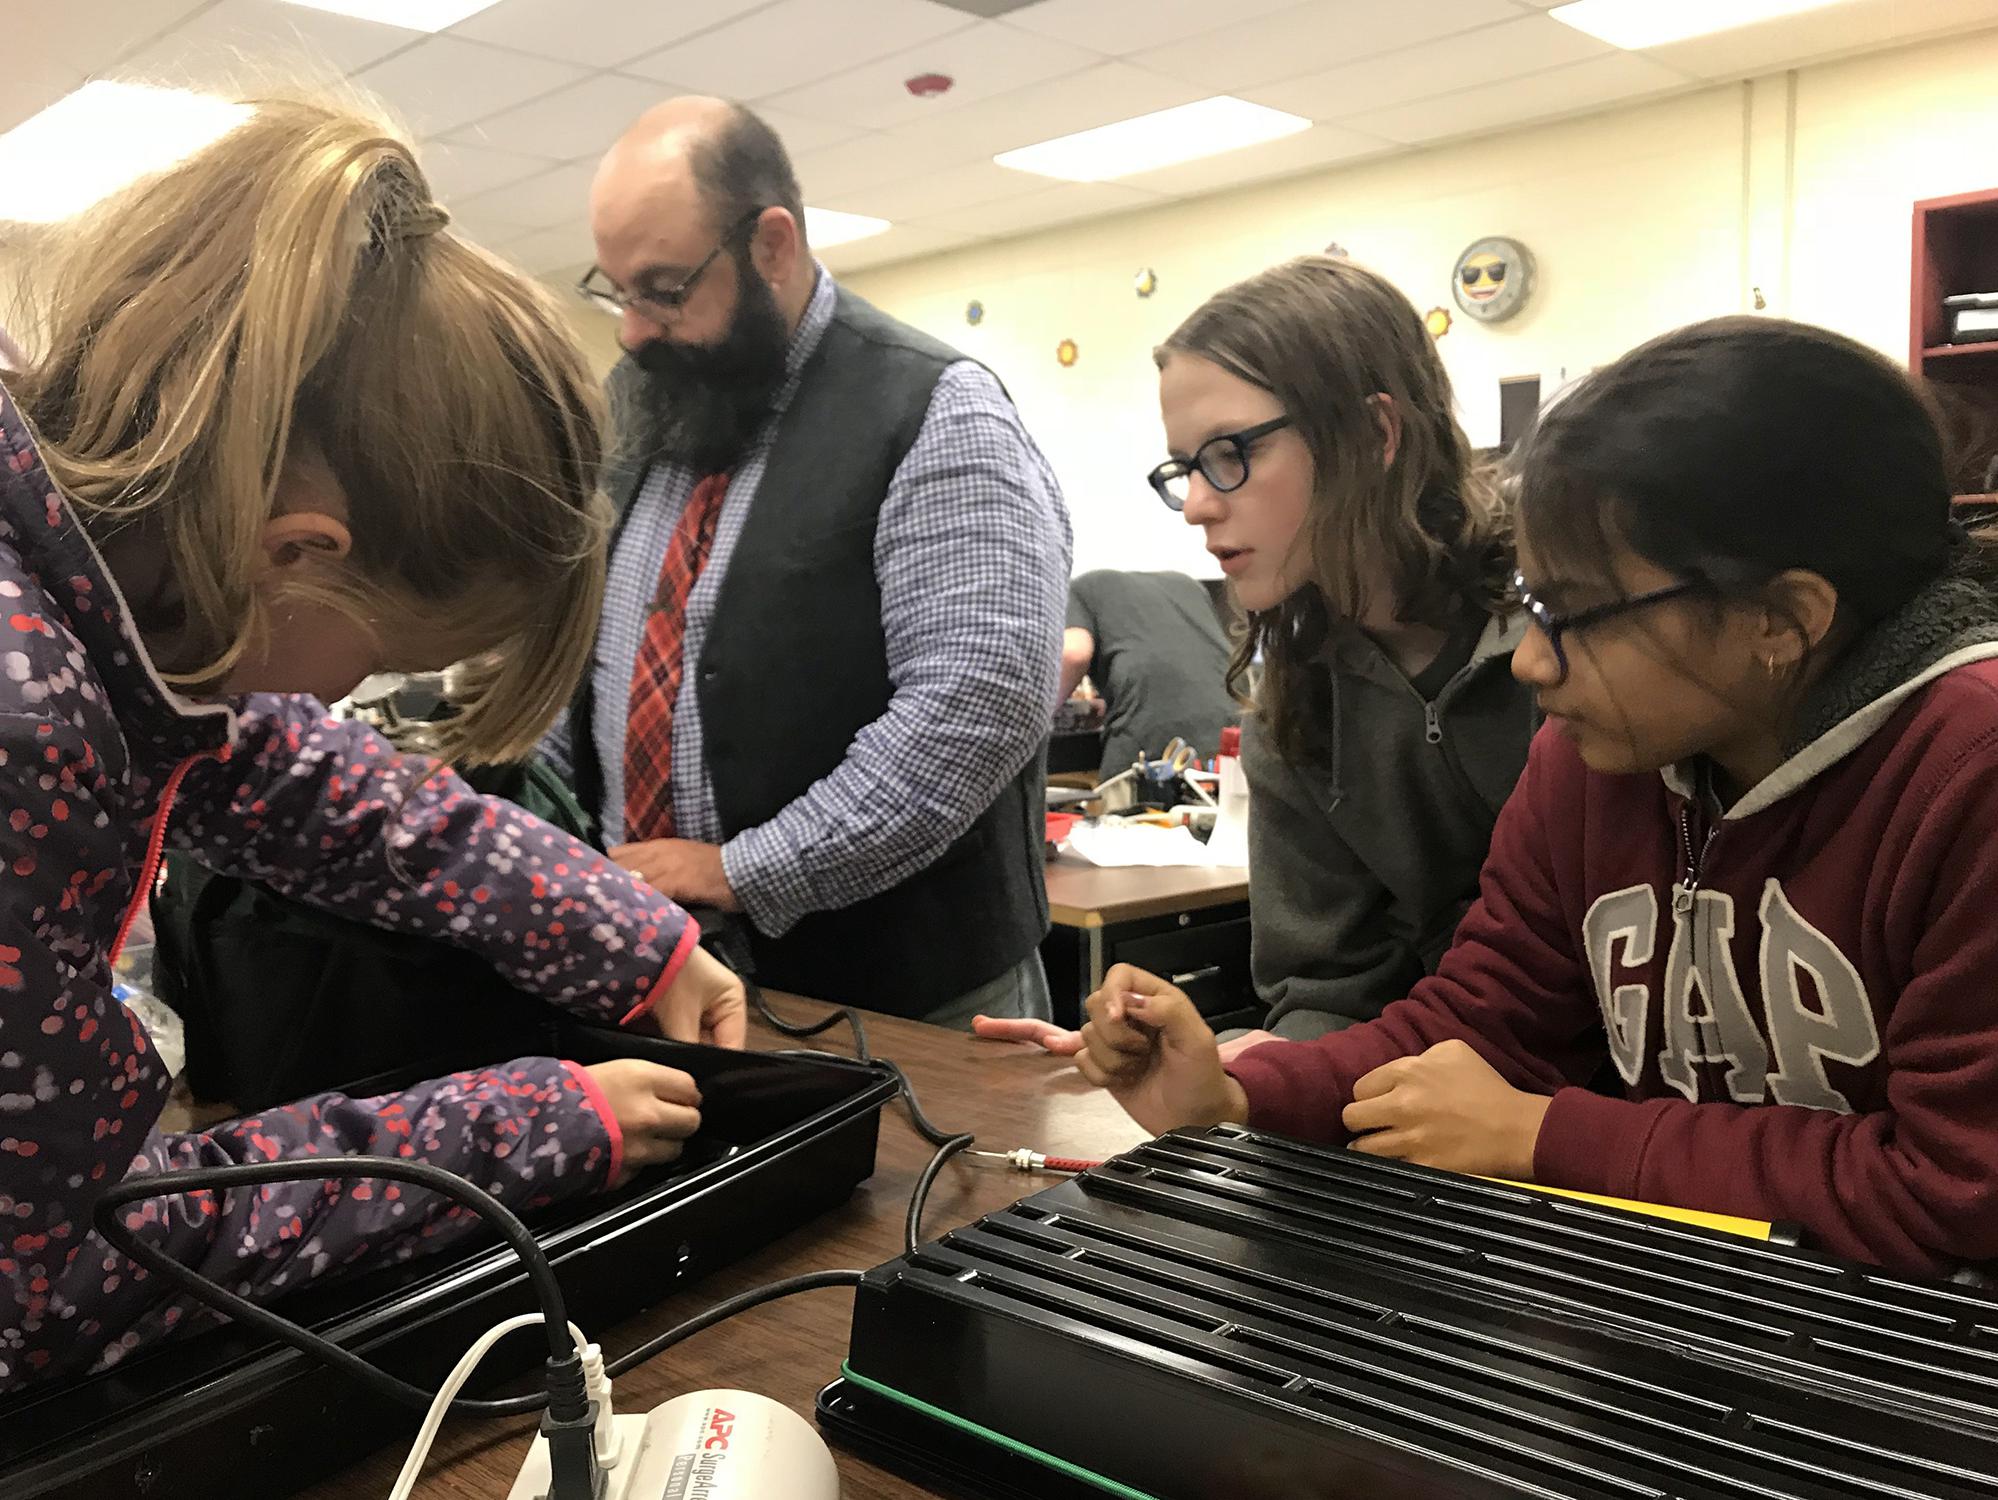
(1362, 861)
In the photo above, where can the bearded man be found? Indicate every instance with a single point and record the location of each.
(830, 643)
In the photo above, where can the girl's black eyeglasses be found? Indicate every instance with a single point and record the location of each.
(1554, 626)
(1222, 461)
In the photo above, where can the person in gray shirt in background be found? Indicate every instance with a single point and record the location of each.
(1153, 647)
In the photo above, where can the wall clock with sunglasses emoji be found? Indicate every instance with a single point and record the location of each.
(1494, 279)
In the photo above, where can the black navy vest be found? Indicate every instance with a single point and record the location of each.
(795, 665)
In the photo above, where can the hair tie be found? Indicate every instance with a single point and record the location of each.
(417, 223)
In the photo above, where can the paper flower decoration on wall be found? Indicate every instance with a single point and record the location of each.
(974, 312)
(1147, 282)
(1437, 321)
(1067, 353)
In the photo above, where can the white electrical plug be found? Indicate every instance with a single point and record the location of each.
(720, 1445)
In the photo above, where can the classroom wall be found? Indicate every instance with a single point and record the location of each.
(1798, 185)
(595, 330)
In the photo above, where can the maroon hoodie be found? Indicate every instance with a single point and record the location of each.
(1800, 996)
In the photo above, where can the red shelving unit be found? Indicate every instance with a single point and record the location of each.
(1956, 251)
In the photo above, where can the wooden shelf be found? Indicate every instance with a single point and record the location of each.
(1960, 351)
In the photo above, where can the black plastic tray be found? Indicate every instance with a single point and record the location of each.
(1235, 1313)
(225, 1415)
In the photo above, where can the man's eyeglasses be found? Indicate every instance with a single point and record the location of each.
(662, 304)
(1222, 461)
(1554, 626)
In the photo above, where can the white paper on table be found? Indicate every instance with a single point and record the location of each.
(1137, 844)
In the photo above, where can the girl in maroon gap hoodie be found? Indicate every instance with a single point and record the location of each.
(1752, 863)
(287, 432)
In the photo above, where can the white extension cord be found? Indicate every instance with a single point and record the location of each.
(593, 1366)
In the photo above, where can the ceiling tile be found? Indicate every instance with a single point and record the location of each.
(874, 159)
(1308, 38)
(457, 173)
(1854, 26)
(34, 82)
(490, 229)
(934, 194)
(1320, 146)
(1121, 27)
(800, 134)
(579, 121)
(442, 83)
(985, 59)
(1487, 55)
(978, 132)
(88, 37)
(597, 33)
(904, 242)
(567, 248)
(560, 197)
(1579, 86)
(1081, 101)
(244, 46)
(796, 42)
(1065, 204)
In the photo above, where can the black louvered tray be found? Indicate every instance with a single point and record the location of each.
(1235, 1314)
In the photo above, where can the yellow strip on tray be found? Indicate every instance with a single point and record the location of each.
(1751, 1229)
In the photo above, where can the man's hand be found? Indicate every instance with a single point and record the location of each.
(1146, 1043)
(705, 1003)
(1447, 1108)
(680, 870)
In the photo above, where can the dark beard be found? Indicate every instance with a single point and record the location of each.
(703, 404)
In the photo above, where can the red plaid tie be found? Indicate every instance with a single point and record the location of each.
(655, 676)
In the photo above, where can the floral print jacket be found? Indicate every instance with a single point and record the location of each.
(101, 768)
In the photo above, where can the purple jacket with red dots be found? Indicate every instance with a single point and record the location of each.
(101, 766)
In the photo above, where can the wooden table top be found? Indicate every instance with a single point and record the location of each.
(1010, 1095)
(1085, 895)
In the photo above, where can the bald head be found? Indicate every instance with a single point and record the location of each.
(694, 154)
(692, 179)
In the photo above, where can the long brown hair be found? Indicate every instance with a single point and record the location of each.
(293, 284)
(1326, 337)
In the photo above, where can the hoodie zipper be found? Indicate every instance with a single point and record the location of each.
(1432, 723)
(1689, 887)
(156, 846)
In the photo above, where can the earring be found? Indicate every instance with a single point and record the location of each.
(1769, 663)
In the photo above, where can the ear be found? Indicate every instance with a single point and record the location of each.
(776, 246)
(290, 539)
(1388, 416)
(1802, 606)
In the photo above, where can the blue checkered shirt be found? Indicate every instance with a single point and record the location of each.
(972, 557)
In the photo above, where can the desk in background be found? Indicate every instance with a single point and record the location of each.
(1010, 1095)
(1187, 923)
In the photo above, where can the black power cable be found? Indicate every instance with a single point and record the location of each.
(547, 1290)
(913, 1231)
(811, 1281)
(948, 1143)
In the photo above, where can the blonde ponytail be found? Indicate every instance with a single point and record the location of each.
(295, 280)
